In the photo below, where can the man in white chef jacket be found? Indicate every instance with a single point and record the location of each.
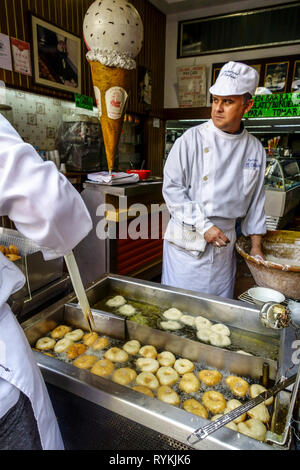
(214, 175)
(46, 208)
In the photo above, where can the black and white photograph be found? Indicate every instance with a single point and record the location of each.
(276, 75)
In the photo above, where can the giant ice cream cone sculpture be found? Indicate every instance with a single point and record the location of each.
(113, 33)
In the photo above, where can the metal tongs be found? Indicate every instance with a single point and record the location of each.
(210, 428)
(79, 289)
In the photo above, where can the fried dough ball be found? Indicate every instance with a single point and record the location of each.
(76, 350)
(183, 366)
(3, 249)
(168, 395)
(144, 390)
(116, 355)
(221, 341)
(221, 329)
(100, 343)
(253, 428)
(230, 425)
(116, 301)
(194, 406)
(60, 331)
(127, 310)
(257, 389)
(172, 314)
(189, 383)
(147, 379)
(85, 362)
(232, 405)
(201, 322)
(148, 351)
(75, 335)
(124, 375)
(171, 325)
(166, 359)
(12, 257)
(167, 376)
(13, 249)
(260, 412)
(210, 377)
(147, 364)
(188, 320)
(214, 401)
(103, 368)
(203, 334)
(45, 343)
(132, 347)
(90, 338)
(62, 345)
(238, 385)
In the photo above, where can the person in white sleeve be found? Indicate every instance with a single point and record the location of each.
(47, 209)
(214, 175)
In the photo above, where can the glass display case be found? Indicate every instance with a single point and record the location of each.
(282, 174)
(282, 186)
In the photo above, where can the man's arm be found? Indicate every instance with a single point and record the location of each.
(41, 202)
(175, 187)
(256, 246)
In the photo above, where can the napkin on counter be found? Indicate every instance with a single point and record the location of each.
(103, 177)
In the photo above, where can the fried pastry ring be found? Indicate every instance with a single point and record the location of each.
(194, 406)
(210, 377)
(238, 385)
(168, 395)
(214, 401)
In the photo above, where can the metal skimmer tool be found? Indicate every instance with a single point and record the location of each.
(210, 428)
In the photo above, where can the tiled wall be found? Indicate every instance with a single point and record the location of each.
(37, 118)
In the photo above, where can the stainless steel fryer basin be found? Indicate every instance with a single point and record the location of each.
(158, 416)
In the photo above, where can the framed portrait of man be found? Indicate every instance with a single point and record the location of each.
(56, 56)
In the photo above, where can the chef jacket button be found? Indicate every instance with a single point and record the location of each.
(205, 178)
(206, 150)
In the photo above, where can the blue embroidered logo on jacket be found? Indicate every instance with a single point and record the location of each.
(252, 164)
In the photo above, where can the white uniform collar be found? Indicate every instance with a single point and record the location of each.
(226, 135)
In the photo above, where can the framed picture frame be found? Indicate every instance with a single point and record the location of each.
(276, 76)
(56, 56)
(196, 36)
(295, 85)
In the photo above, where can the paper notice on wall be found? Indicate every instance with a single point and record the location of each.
(191, 86)
(5, 53)
(21, 56)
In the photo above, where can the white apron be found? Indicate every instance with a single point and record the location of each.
(213, 272)
(17, 363)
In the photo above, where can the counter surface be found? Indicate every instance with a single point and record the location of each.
(130, 190)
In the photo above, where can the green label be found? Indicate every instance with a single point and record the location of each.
(83, 101)
(277, 105)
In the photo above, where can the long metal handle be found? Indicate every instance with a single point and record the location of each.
(79, 289)
(210, 428)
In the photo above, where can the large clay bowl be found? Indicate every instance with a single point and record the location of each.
(282, 275)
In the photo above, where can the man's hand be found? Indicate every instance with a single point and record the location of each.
(256, 249)
(216, 237)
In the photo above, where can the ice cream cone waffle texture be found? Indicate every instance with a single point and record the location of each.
(113, 33)
(111, 85)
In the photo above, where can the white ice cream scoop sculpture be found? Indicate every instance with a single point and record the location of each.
(113, 33)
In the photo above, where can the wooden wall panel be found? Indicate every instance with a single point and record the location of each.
(68, 15)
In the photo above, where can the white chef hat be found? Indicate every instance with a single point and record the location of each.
(235, 78)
